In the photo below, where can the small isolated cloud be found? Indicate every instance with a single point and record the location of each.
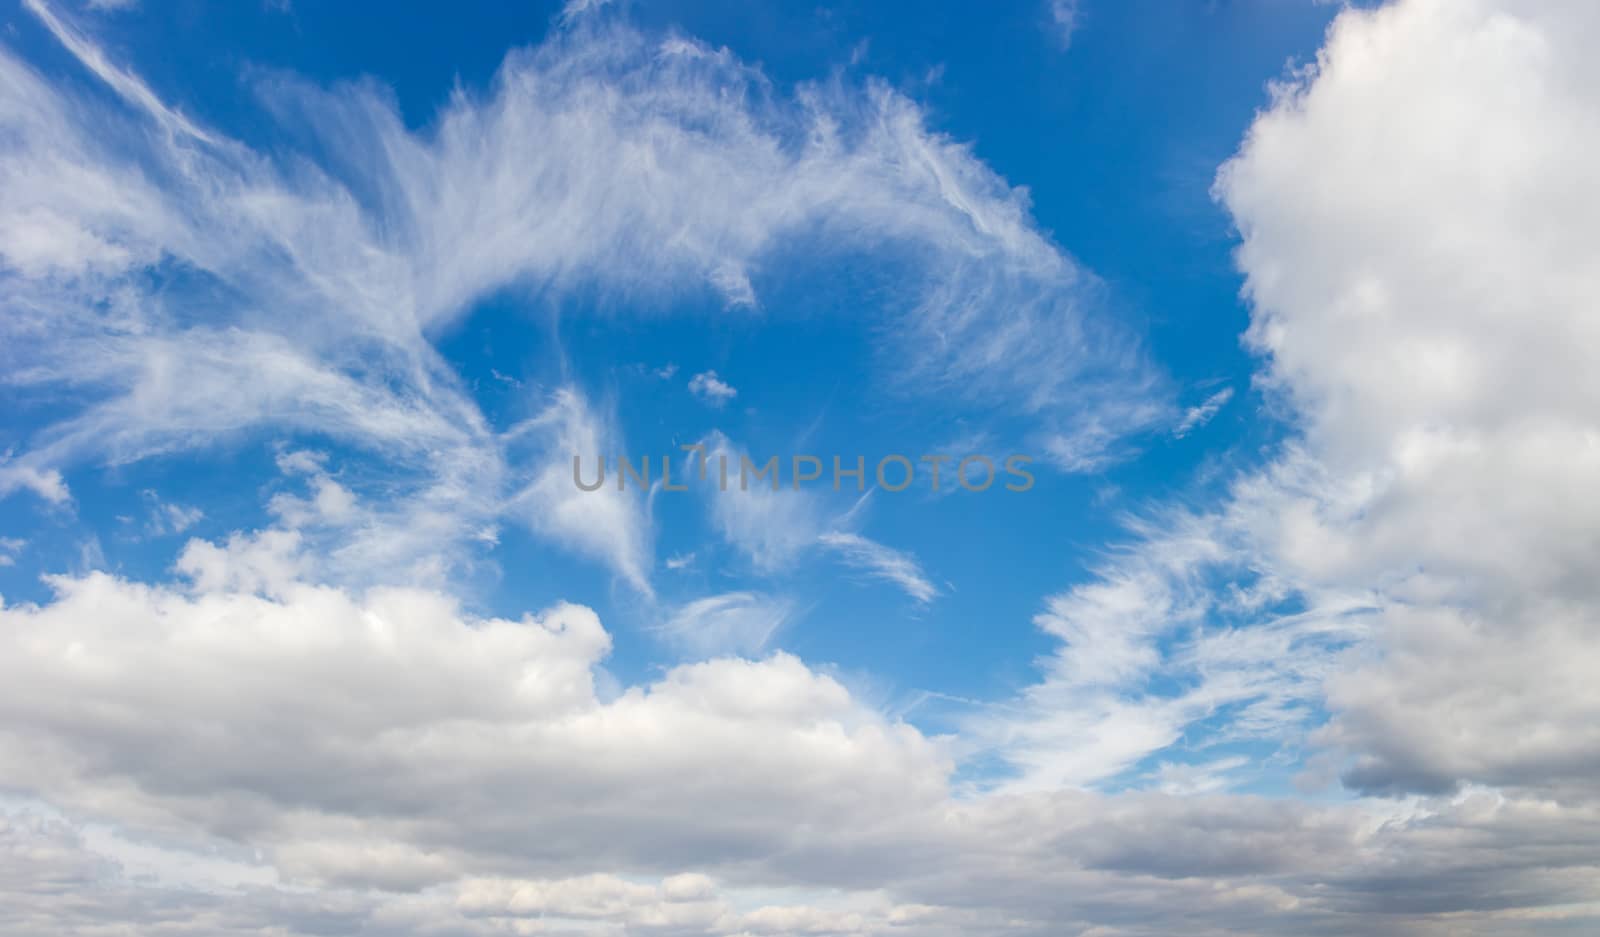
(883, 562)
(9, 548)
(1066, 16)
(1196, 417)
(712, 389)
(173, 519)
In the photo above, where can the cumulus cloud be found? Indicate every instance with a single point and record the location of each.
(1424, 308)
(398, 685)
(352, 762)
(712, 389)
(1404, 584)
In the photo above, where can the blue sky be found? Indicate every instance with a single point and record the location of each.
(309, 308)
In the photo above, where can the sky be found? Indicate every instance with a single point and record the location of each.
(1220, 376)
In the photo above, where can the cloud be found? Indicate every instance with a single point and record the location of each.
(1424, 308)
(1066, 16)
(1402, 584)
(775, 527)
(127, 85)
(712, 389)
(46, 483)
(510, 704)
(1187, 634)
(882, 562)
(1411, 572)
(390, 763)
(658, 167)
(1189, 779)
(1201, 414)
(771, 526)
(731, 623)
(611, 523)
(173, 518)
(577, 8)
(1096, 434)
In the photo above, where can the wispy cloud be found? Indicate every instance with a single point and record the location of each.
(611, 523)
(325, 282)
(1066, 17)
(882, 562)
(166, 518)
(1201, 414)
(731, 623)
(770, 526)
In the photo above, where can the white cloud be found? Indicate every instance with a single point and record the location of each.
(326, 285)
(1066, 16)
(267, 562)
(1201, 414)
(1095, 434)
(886, 563)
(470, 771)
(1425, 306)
(1189, 779)
(127, 85)
(611, 523)
(391, 688)
(712, 389)
(1414, 561)
(173, 518)
(576, 8)
(771, 527)
(1418, 560)
(330, 503)
(731, 623)
(774, 528)
(46, 483)
(1185, 624)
